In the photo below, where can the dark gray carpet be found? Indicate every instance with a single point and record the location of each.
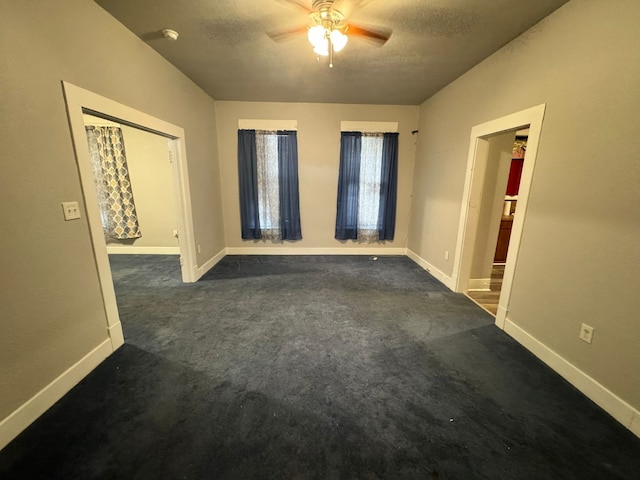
(315, 368)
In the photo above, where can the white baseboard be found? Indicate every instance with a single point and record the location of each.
(635, 424)
(209, 264)
(598, 393)
(479, 285)
(133, 250)
(27, 413)
(283, 250)
(442, 277)
(501, 317)
(116, 336)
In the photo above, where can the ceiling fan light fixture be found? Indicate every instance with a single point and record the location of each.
(322, 48)
(316, 35)
(338, 40)
(327, 32)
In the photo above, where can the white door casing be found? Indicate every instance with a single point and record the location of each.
(474, 178)
(81, 101)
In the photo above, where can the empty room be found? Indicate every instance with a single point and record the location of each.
(291, 239)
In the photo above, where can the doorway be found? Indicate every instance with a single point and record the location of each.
(505, 162)
(491, 141)
(80, 102)
(145, 180)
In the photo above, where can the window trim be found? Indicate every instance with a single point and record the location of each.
(267, 124)
(368, 127)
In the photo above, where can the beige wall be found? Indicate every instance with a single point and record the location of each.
(152, 182)
(318, 160)
(580, 252)
(51, 307)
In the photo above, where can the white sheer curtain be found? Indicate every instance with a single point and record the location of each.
(268, 184)
(369, 192)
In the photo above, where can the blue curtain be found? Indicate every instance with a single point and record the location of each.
(248, 178)
(288, 185)
(288, 176)
(348, 186)
(388, 187)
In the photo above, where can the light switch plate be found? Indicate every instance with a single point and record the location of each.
(586, 333)
(71, 210)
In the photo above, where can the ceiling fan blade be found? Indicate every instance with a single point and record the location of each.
(349, 6)
(297, 4)
(378, 35)
(361, 3)
(285, 34)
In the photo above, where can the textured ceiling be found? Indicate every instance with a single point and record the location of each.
(224, 46)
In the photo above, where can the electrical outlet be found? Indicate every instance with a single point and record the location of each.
(586, 333)
(71, 210)
(199, 249)
(446, 255)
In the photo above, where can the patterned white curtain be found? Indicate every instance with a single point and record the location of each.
(115, 196)
(369, 192)
(268, 184)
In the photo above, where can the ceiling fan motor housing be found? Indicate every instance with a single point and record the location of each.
(320, 5)
(324, 14)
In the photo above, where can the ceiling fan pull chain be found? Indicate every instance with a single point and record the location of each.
(330, 54)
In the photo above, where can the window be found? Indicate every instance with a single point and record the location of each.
(268, 175)
(367, 186)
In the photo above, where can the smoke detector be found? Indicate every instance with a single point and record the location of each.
(170, 34)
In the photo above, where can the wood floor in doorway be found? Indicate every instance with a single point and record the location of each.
(489, 300)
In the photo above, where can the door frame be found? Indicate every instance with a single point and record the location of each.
(472, 195)
(80, 101)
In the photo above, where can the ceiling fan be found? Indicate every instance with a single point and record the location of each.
(327, 31)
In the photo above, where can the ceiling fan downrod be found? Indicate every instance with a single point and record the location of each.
(327, 20)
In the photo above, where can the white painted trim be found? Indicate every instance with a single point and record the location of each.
(501, 317)
(282, 250)
(372, 127)
(116, 336)
(133, 250)
(209, 264)
(598, 393)
(438, 274)
(266, 124)
(474, 177)
(479, 285)
(182, 192)
(635, 424)
(33, 408)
